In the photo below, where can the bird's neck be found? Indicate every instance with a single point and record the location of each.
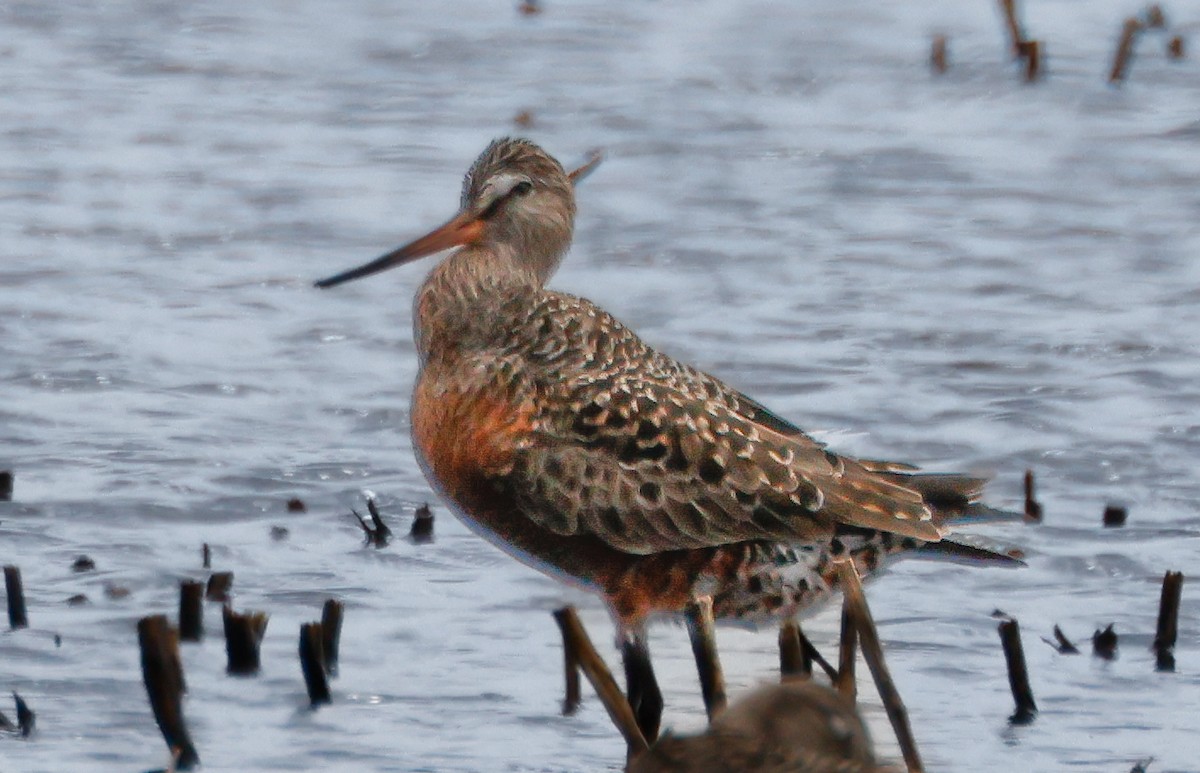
(469, 300)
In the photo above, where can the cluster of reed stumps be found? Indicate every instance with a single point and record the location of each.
(159, 641)
(800, 725)
(797, 725)
(1030, 53)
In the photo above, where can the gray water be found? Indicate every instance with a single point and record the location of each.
(965, 272)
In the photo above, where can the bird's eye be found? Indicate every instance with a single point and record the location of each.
(522, 188)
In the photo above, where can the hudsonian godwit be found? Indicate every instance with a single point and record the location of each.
(558, 434)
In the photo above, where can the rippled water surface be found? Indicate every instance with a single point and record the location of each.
(962, 272)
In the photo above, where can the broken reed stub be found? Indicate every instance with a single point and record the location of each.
(1063, 644)
(206, 556)
(1031, 53)
(1033, 508)
(377, 534)
(1114, 516)
(312, 664)
(1168, 621)
(26, 718)
(1104, 643)
(422, 526)
(162, 672)
(243, 634)
(1018, 674)
(1176, 48)
(6, 485)
(219, 585)
(331, 633)
(17, 615)
(191, 610)
(938, 55)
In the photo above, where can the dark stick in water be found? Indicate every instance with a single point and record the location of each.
(1018, 674)
(243, 634)
(163, 674)
(593, 667)
(17, 616)
(312, 664)
(331, 633)
(1168, 620)
(191, 610)
(873, 653)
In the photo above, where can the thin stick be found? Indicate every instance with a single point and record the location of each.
(602, 680)
(811, 655)
(1033, 509)
(17, 616)
(701, 630)
(381, 533)
(6, 486)
(574, 695)
(1061, 643)
(312, 664)
(163, 674)
(1124, 52)
(792, 663)
(846, 683)
(191, 610)
(1168, 620)
(206, 556)
(1015, 36)
(331, 633)
(1018, 674)
(873, 653)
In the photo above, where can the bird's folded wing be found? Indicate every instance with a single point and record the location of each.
(648, 467)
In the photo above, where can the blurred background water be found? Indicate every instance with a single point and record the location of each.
(965, 272)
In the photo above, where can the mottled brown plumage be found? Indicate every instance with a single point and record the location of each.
(796, 727)
(557, 432)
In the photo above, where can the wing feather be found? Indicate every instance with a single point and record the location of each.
(650, 455)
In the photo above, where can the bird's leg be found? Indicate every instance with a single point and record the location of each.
(640, 685)
(704, 647)
(792, 661)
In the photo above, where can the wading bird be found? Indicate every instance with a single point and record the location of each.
(555, 432)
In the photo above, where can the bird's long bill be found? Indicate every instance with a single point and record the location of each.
(463, 228)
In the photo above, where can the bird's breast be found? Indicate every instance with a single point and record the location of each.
(467, 435)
